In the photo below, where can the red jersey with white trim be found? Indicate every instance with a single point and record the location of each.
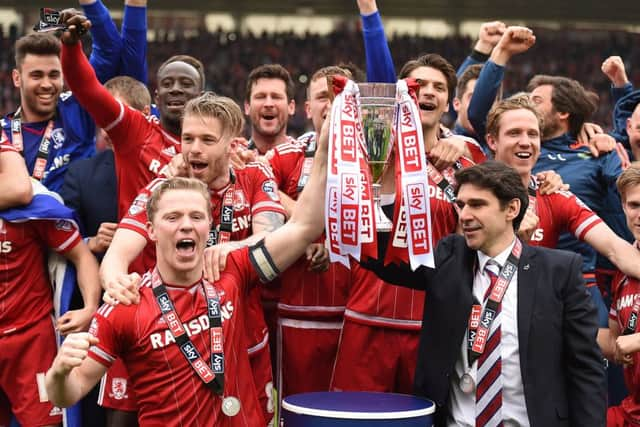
(558, 213)
(167, 390)
(142, 150)
(624, 291)
(141, 147)
(25, 289)
(303, 293)
(254, 191)
(375, 302)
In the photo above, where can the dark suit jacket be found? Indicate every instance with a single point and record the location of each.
(90, 187)
(561, 364)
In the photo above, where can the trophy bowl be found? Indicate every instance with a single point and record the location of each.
(378, 105)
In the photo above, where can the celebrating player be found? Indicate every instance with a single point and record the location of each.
(190, 389)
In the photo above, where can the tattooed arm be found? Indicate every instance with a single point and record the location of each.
(215, 257)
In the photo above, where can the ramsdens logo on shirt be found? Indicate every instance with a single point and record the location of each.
(193, 327)
(626, 301)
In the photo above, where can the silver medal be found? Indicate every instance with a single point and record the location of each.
(230, 406)
(466, 384)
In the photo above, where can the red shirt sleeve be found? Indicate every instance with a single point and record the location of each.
(124, 125)
(264, 193)
(109, 326)
(61, 235)
(577, 216)
(136, 217)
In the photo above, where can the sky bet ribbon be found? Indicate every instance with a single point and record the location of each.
(411, 234)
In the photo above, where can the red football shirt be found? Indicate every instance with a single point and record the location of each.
(624, 291)
(254, 191)
(141, 147)
(305, 294)
(168, 391)
(560, 212)
(375, 302)
(25, 289)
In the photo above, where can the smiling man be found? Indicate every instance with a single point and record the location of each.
(539, 363)
(49, 128)
(514, 132)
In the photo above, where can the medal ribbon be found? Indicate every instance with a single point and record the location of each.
(632, 323)
(412, 218)
(480, 320)
(307, 163)
(222, 232)
(43, 149)
(212, 375)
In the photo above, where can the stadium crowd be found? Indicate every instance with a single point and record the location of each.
(181, 273)
(563, 52)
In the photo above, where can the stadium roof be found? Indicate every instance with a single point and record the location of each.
(564, 11)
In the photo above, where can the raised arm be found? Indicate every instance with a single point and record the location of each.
(133, 61)
(380, 66)
(488, 36)
(107, 44)
(81, 78)
(620, 252)
(613, 68)
(514, 40)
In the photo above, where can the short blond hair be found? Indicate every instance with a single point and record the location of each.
(519, 101)
(220, 107)
(177, 183)
(629, 178)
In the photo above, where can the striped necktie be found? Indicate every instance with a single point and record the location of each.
(489, 376)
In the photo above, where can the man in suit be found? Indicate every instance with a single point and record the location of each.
(535, 360)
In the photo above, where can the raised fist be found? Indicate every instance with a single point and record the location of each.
(613, 68)
(489, 36)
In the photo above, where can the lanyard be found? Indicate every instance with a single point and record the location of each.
(442, 182)
(480, 320)
(531, 189)
(632, 323)
(307, 163)
(212, 375)
(43, 148)
(221, 233)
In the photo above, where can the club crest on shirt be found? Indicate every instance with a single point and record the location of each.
(139, 204)
(239, 200)
(57, 136)
(271, 189)
(119, 388)
(64, 225)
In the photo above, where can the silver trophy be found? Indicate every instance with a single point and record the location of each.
(378, 104)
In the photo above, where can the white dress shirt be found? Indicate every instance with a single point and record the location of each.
(462, 406)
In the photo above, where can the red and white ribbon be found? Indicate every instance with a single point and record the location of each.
(411, 239)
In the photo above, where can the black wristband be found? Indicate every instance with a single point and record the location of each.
(479, 56)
